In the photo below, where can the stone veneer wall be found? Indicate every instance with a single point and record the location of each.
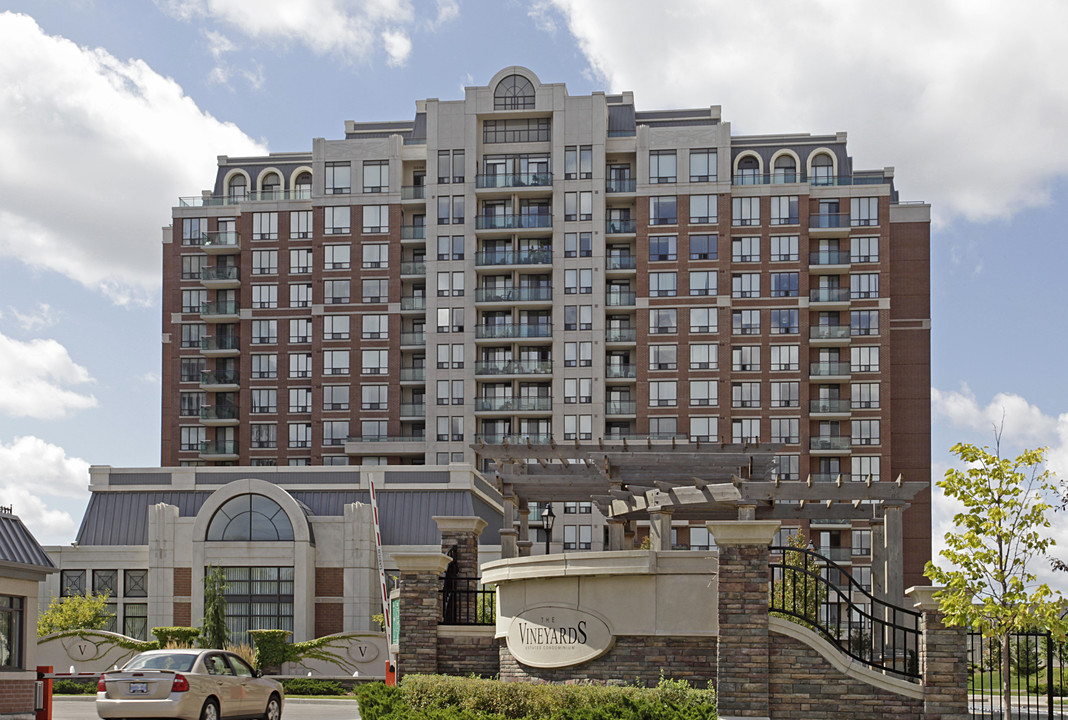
(420, 609)
(468, 654)
(641, 659)
(743, 630)
(804, 685)
(17, 698)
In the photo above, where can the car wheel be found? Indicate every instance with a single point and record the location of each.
(274, 709)
(210, 711)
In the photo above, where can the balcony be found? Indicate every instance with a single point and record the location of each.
(514, 330)
(413, 375)
(413, 232)
(514, 404)
(621, 335)
(226, 345)
(386, 445)
(415, 339)
(621, 262)
(829, 257)
(412, 410)
(221, 243)
(514, 257)
(830, 477)
(829, 406)
(829, 295)
(220, 311)
(513, 295)
(829, 369)
(413, 192)
(829, 221)
(219, 278)
(832, 444)
(416, 267)
(511, 221)
(628, 372)
(514, 367)
(836, 554)
(413, 302)
(300, 193)
(513, 180)
(515, 439)
(828, 332)
(219, 414)
(620, 298)
(219, 449)
(620, 185)
(621, 407)
(219, 381)
(620, 227)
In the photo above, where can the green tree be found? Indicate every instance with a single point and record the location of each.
(990, 583)
(215, 634)
(76, 612)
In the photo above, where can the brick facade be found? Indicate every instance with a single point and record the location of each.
(183, 582)
(16, 698)
(329, 582)
(329, 618)
(183, 614)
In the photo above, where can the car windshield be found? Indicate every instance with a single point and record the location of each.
(178, 662)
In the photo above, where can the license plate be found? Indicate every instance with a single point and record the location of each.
(138, 687)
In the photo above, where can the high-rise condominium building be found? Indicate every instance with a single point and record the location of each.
(527, 264)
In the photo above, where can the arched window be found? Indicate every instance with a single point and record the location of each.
(238, 188)
(272, 187)
(785, 169)
(302, 186)
(250, 517)
(748, 171)
(822, 170)
(515, 92)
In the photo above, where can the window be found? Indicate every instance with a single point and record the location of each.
(337, 221)
(662, 166)
(338, 178)
(300, 435)
(335, 397)
(662, 393)
(864, 359)
(586, 354)
(704, 320)
(135, 583)
(865, 432)
(264, 435)
(514, 92)
(662, 284)
(191, 438)
(861, 546)
(784, 210)
(374, 397)
(663, 426)
(247, 518)
(192, 300)
(864, 285)
(745, 358)
(864, 249)
(194, 231)
(865, 467)
(190, 403)
(784, 358)
(192, 368)
(704, 356)
(300, 365)
(508, 131)
(585, 317)
(264, 262)
(703, 282)
(264, 332)
(703, 429)
(745, 249)
(704, 393)
(336, 292)
(335, 362)
(662, 320)
(336, 257)
(192, 334)
(300, 224)
(745, 395)
(663, 210)
(375, 218)
(864, 212)
(745, 322)
(570, 282)
(300, 330)
(375, 327)
(265, 226)
(703, 209)
(784, 248)
(375, 362)
(864, 395)
(784, 284)
(703, 166)
(264, 400)
(745, 211)
(745, 430)
(300, 295)
(789, 468)
(375, 176)
(375, 290)
(704, 247)
(786, 430)
(784, 321)
(264, 366)
(264, 296)
(335, 432)
(570, 390)
(663, 357)
(106, 582)
(662, 247)
(864, 322)
(785, 394)
(300, 261)
(191, 266)
(745, 285)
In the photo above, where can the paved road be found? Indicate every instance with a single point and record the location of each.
(83, 708)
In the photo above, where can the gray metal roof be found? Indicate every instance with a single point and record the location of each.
(18, 545)
(121, 518)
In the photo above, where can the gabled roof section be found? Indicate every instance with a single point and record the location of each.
(18, 546)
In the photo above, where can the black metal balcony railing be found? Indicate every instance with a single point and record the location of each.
(838, 294)
(513, 294)
(509, 221)
(542, 256)
(464, 601)
(514, 330)
(514, 367)
(209, 274)
(620, 227)
(829, 405)
(513, 180)
(513, 404)
(620, 185)
(829, 332)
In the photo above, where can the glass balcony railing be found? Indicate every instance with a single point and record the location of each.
(541, 256)
(617, 298)
(387, 438)
(515, 439)
(828, 257)
(219, 307)
(620, 407)
(620, 185)
(828, 220)
(838, 294)
(299, 193)
(411, 374)
(828, 332)
(830, 477)
(413, 192)
(514, 330)
(830, 443)
(514, 180)
(210, 377)
(821, 179)
(829, 405)
(416, 267)
(514, 367)
(520, 294)
(218, 447)
(825, 369)
(413, 232)
(621, 371)
(621, 262)
(509, 221)
(620, 227)
(413, 338)
(221, 239)
(209, 274)
(408, 410)
(513, 404)
(218, 412)
(620, 335)
(219, 343)
(413, 303)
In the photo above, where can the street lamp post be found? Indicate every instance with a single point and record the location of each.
(547, 519)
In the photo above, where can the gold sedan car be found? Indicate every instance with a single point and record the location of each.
(188, 685)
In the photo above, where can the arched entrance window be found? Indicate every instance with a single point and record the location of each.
(250, 517)
(514, 92)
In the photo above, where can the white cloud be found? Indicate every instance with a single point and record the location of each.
(95, 150)
(36, 375)
(35, 476)
(447, 10)
(220, 46)
(398, 46)
(353, 29)
(961, 96)
(44, 316)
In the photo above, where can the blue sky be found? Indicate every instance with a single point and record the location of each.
(114, 109)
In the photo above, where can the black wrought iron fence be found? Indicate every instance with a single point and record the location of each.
(821, 595)
(464, 601)
(1038, 676)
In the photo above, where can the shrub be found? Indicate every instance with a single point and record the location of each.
(313, 686)
(74, 687)
(179, 636)
(243, 651)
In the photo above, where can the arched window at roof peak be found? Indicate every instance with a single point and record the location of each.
(514, 92)
(250, 517)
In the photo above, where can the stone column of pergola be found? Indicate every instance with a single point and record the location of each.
(459, 538)
(524, 543)
(660, 528)
(508, 533)
(943, 659)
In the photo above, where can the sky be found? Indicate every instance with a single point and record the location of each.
(113, 109)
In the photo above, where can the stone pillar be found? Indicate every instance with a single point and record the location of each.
(459, 537)
(660, 528)
(743, 648)
(895, 559)
(508, 532)
(943, 660)
(420, 610)
(524, 542)
(616, 533)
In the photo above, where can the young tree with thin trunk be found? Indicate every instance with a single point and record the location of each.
(216, 634)
(989, 579)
